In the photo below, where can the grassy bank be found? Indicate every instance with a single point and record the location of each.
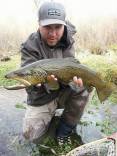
(106, 66)
(5, 67)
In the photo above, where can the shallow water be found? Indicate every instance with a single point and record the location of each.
(11, 123)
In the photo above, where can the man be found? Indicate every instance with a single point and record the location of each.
(52, 40)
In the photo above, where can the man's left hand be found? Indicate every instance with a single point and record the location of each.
(78, 81)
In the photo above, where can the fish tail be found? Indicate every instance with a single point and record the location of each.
(105, 91)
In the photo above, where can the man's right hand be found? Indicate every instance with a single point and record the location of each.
(52, 77)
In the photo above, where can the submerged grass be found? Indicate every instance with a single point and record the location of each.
(49, 147)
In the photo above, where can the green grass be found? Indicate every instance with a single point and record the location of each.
(6, 67)
(50, 147)
(20, 106)
(106, 66)
(113, 47)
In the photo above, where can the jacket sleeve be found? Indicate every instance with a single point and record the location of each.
(30, 51)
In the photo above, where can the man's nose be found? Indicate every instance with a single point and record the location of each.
(52, 32)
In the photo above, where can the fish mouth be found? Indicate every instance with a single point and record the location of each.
(15, 87)
(25, 82)
(20, 79)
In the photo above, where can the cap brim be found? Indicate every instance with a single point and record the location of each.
(51, 21)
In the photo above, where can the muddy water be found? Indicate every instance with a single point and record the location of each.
(10, 119)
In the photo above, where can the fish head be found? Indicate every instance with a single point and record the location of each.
(28, 77)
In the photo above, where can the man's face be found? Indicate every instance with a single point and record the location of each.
(52, 34)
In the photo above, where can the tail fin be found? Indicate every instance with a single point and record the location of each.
(106, 91)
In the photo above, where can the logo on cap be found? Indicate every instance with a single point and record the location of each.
(55, 12)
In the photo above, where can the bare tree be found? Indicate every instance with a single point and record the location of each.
(38, 2)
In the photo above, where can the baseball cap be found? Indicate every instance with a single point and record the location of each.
(51, 13)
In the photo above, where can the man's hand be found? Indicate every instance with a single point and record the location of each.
(77, 84)
(78, 81)
(51, 77)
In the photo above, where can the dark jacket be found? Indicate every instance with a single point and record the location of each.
(35, 49)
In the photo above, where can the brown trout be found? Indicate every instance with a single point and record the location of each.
(64, 69)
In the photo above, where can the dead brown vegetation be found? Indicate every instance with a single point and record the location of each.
(97, 35)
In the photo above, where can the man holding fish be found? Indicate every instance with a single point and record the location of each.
(53, 39)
